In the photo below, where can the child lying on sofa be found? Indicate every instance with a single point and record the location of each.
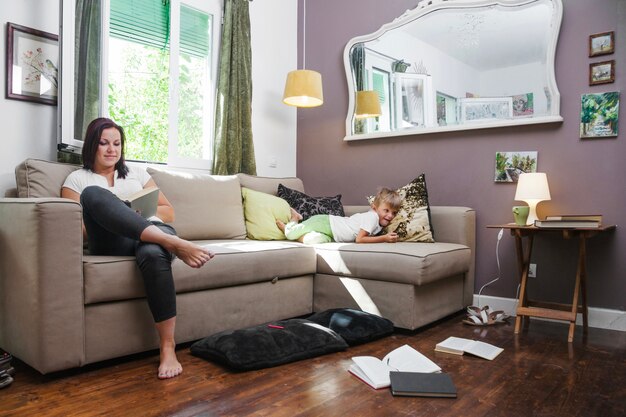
(359, 228)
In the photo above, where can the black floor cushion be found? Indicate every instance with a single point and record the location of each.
(269, 345)
(354, 326)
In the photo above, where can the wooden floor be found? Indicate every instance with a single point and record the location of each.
(538, 374)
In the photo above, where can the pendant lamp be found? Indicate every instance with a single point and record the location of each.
(303, 87)
(367, 104)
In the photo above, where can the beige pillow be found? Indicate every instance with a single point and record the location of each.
(206, 206)
(261, 211)
(269, 185)
(38, 178)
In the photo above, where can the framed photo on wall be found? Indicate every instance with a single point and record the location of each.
(32, 63)
(602, 44)
(599, 115)
(602, 72)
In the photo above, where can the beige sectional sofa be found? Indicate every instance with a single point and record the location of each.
(61, 308)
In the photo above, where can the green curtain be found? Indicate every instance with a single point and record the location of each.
(87, 65)
(233, 148)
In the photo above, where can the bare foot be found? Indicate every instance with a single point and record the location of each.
(295, 216)
(280, 225)
(169, 366)
(193, 255)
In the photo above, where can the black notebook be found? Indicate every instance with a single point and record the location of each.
(417, 384)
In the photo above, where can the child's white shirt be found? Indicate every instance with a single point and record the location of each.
(345, 229)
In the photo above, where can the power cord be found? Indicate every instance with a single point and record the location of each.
(500, 234)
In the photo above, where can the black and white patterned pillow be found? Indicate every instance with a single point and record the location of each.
(309, 206)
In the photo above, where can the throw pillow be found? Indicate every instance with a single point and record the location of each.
(261, 211)
(309, 206)
(412, 223)
(354, 326)
(268, 344)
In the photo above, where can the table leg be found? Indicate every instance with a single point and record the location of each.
(579, 289)
(523, 262)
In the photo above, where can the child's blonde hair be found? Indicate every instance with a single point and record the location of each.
(391, 197)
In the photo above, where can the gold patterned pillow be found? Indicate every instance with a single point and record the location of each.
(412, 223)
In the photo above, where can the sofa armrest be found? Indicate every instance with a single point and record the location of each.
(41, 282)
(457, 225)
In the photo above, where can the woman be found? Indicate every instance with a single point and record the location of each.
(113, 228)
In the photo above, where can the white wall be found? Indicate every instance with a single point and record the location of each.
(274, 53)
(29, 129)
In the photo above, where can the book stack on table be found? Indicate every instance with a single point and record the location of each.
(582, 221)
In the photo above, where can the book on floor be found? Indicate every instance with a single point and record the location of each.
(144, 201)
(417, 384)
(375, 372)
(459, 346)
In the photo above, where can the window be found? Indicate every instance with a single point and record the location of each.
(151, 66)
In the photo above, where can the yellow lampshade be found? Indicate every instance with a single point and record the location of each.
(367, 104)
(303, 89)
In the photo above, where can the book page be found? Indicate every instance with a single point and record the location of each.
(371, 370)
(483, 350)
(453, 344)
(407, 359)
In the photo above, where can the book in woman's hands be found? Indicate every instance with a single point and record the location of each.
(458, 346)
(375, 372)
(144, 201)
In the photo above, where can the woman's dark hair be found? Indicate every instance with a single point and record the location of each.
(92, 141)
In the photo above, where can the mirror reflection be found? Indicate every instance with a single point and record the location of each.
(454, 66)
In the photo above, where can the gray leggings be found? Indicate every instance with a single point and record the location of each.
(114, 229)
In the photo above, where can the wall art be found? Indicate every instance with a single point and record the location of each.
(509, 165)
(599, 115)
(32, 64)
(602, 44)
(602, 72)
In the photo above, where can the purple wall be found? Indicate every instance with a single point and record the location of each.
(584, 176)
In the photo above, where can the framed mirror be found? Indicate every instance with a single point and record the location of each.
(452, 65)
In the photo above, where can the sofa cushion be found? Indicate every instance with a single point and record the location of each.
(412, 223)
(354, 326)
(206, 206)
(269, 185)
(405, 262)
(261, 211)
(309, 206)
(38, 178)
(236, 263)
(269, 344)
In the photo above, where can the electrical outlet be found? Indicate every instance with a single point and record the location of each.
(532, 271)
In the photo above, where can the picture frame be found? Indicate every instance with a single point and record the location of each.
(485, 108)
(509, 165)
(602, 72)
(602, 43)
(32, 63)
(446, 109)
(599, 115)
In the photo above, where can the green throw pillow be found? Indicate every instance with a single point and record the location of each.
(261, 211)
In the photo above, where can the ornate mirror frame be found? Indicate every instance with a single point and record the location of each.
(426, 7)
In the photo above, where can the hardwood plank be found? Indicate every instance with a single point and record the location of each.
(539, 374)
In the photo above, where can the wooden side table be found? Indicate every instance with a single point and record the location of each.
(557, 311)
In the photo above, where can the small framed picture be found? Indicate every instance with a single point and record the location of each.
(32, 64)
(602, 72)
(602, 43)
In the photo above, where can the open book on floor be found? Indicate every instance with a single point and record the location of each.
(458, 346)
(375, 372)
(144, 201)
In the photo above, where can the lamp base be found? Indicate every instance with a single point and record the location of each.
(532, 215)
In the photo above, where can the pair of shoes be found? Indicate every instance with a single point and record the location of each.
(485, 316)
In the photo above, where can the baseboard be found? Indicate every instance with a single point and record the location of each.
(601, 318)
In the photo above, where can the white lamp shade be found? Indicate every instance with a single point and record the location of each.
(367, 104)
(303, 89)
(532, 188)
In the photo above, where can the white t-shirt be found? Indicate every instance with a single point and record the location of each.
(135, 180)
(345, 229)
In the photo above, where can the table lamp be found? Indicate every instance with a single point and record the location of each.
(532, 187)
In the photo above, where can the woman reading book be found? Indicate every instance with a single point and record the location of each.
(113, 228)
